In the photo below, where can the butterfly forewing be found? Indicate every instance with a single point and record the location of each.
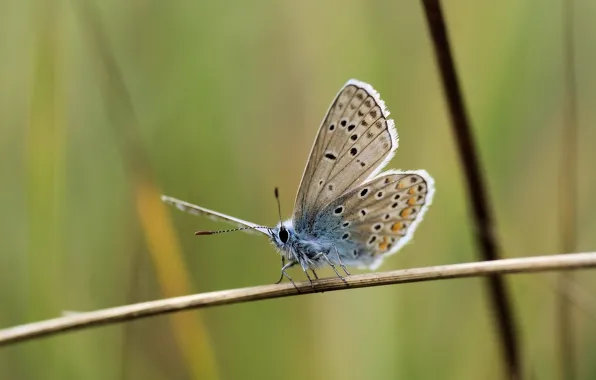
(354, 142)
(213, 215)
(380, 216)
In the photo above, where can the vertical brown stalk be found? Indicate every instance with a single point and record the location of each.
(497, 291)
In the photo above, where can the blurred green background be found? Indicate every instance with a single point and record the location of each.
(104, 106)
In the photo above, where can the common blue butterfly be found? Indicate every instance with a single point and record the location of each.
(346, 212)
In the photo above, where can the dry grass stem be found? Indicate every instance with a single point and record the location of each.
(225, 297)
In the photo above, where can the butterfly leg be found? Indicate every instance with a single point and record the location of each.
(315, 273)
(305, 269)
(283, 273)
(340, 263)
(333, 267)
(283, 263)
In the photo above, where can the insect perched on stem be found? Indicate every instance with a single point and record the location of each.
(347, 213)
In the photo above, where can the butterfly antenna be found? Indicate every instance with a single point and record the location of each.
(200, 233)
(278, 204)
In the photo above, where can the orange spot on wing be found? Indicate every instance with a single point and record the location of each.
(406, 212)
(396, 226)
(412, 190)
(384, 244)
(412, 201)
(400, 185)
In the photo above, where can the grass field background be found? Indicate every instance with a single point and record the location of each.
(106, 105)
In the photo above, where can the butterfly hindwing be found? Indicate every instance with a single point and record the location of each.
(378, 217)
(354, 142)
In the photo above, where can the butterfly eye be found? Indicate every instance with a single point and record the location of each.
(284, 235)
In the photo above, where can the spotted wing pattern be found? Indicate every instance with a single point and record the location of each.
(355, 141)
(381, 215)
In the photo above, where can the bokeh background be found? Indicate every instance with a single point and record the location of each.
(105, 105)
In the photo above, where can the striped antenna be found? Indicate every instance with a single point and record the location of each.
(200, 233)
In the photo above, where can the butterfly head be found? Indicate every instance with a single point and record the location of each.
(283, 235)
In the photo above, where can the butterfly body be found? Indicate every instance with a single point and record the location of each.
(310, 250)
(346, 211)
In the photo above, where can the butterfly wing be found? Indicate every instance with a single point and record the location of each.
(377, 218)
(213, 215)
(355, 141)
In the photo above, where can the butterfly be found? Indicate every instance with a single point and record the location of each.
(347, 212)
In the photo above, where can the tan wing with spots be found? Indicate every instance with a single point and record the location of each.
(382, 214)
(355, 141)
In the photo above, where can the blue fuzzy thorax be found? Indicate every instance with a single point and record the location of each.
(300, 248)
(305, 249)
